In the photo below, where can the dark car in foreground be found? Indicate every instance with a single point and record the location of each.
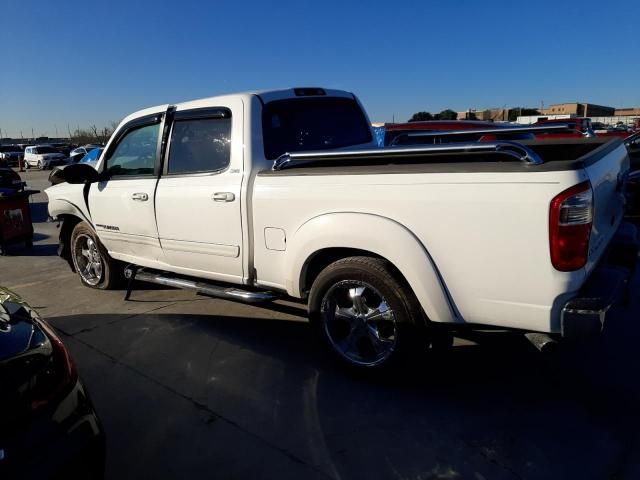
(10, 179)
(48, 426)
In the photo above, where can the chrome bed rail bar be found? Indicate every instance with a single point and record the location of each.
(512, 149)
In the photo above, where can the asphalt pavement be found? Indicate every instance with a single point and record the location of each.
(193, 387)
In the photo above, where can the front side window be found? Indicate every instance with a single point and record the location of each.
(136, 152)
(200, 145)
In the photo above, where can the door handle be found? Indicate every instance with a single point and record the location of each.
(223, 197)
(140, 196)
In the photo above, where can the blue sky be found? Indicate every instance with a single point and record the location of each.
(84, 63)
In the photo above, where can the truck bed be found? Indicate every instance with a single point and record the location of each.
(557, 155)
(483, 218)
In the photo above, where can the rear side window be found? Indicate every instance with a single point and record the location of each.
(312, 124)
(200, 145)
(136, 152)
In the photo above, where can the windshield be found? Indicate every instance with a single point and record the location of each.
(312, 124)
(40, 150)
(92, 156)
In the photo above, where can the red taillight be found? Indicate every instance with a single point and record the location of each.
(59, 378)
(570, 220)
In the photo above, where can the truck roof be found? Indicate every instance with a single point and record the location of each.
(265, 96)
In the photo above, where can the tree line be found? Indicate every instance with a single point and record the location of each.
(91, 134)
(449, 114)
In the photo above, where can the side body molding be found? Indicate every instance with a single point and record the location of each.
(379, 235)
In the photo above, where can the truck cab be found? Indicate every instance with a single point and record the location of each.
(174, 187)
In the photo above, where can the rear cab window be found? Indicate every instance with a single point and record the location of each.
(318, 123)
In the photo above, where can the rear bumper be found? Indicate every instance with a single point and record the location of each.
(585, 314)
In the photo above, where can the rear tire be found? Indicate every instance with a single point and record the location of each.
(365, 314)
(40, 165)
(91, 261)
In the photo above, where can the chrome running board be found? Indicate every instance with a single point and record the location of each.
(132, 273)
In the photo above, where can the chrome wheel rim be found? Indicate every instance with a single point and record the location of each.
(359, 323)
(87, 259)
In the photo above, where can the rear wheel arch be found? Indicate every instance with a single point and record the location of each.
(331, 237)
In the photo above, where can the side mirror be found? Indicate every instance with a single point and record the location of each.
(75, 173)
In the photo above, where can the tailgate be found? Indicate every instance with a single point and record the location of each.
(606, 173)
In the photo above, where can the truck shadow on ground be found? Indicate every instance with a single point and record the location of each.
(497, 409)
(19, 249)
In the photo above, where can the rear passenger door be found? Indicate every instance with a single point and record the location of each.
(198, 196)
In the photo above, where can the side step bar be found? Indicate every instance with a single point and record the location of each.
(132, 273)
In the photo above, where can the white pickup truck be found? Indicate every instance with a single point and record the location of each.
(254, 195)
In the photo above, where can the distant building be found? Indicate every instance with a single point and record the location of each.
(579, 110)
(489, 115)
(627, 112)
(530, 119)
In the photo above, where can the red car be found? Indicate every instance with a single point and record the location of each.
(401, 133)
(579, 127)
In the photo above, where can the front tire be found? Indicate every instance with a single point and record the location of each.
(91, 261)
(365, 313)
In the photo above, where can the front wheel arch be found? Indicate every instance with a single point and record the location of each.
(69, 222)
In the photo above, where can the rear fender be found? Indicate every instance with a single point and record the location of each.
(379, 235)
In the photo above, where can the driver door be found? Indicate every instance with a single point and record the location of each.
(122, 206)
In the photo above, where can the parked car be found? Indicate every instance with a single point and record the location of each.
(90, 158)
(405, 133)
(48, 425)
(42, 156)
(10, 155)
(10, 179)
(63, 148)
(77, 153)
(578, 127)
(256, 195)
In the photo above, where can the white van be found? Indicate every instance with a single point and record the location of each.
(42, 156)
